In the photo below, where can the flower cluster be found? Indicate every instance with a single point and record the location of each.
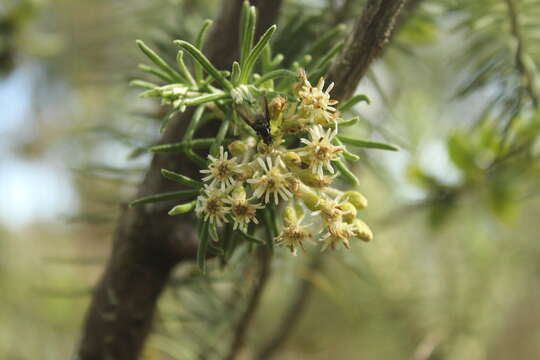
(294, 176)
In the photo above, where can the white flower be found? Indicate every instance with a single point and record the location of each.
(293, 236)
(242, 211)
(211, 205)
(222, 170)
(330, 210)
(272, 180)
(338, 232)
(316, 102)
(320, 150)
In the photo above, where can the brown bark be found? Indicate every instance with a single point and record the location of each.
(369, 36)
(148, 243)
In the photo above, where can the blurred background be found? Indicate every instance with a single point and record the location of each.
(454, 269)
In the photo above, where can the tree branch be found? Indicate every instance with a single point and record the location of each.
(369, 36)
(148, 243)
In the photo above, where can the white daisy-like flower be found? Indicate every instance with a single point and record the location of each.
(338, 232)
(222, 170)
(242, 211)
(316, 102)
(271, 179)
(330, 210)
(320, 150)
(211, 205)
(292, 236)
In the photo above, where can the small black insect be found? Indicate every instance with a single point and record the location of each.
(258, 121)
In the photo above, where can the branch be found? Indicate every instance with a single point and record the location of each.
(369, 36)
(528, 79)
(294, 312)
(148, 243)
(262, 277)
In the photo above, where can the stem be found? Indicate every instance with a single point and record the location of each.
(293, 312)
(262, 276)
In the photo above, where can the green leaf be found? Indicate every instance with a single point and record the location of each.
(183, 68)
(156, 72)
(250, 238)
(156, 59)
(346, 153)
(220, 136)
(325, 40)
(199, 161)
(212, 230)
(203, 99)
(183, 208)
(346, 173)
(273, 75)
(173, 195)
(194, 123)
(248, 18)
(353, 101)
(166, 121)
(199, 44)
(367, 144)
(256, 53)
(203, 247)
(321, 66)
(142, 84)
(182, 179)
(200, 143)
(235, 77)
(349, 122)
(205, 63)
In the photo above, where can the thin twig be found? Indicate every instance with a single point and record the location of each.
(293, 312)
(239, 334)
(527, 77)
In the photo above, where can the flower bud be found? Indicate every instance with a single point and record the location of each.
(245, 172)
(310, 197)
(293, 184)
(357, 199)
(239, 193)
(292, 158)
(349, 211)
(238, 148)
(362, 230)
(277, 105)
(289, 216)
(182, 208)
(313, 179)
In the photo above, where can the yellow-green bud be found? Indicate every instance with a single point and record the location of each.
(289, 216)
(349, 210)
(238, 148)
(292, 158)
(310, 197)
(239, 193)
(277, 105)
(357, 199)
(183, 208)
(362, 230)
(246, 172)
(299, 210)
(312, 179)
